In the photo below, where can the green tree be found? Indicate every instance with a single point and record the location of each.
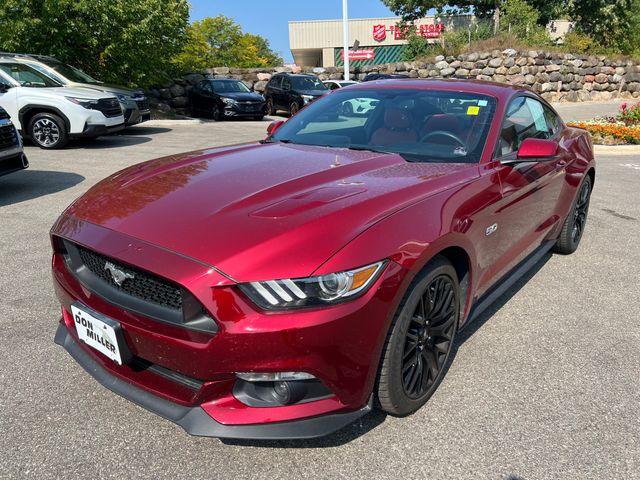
(122, 41)
(219, 41)
(609, 22)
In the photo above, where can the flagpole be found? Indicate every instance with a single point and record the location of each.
(345, 28)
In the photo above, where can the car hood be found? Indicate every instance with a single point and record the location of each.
(78, 92)
(105, 87)
(243, 96)
(314, 93)
(261, 211)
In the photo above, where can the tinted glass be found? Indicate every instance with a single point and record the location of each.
(525, 119)
(307, 83)
(27, 76)
(275, 82)
(229, 86)
(71, 73)
(420, 125)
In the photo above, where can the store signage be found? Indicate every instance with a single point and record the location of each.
(362, 54)
(430, 30)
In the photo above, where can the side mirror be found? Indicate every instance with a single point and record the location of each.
(533, 148)
(4, 88)
(273, 126)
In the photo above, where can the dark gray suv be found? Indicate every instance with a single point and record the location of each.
(290, 92)
(12, 158)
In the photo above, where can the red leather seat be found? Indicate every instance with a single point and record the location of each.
(397, 128)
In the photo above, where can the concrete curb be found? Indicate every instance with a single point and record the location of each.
(633, 150)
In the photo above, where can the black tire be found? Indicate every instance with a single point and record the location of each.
(48, 131)
(216, 113)
(420, 339)
(575, 222)
(294, 108)
(271, 110)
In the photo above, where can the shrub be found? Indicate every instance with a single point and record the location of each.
(577, 42)
(630, 115)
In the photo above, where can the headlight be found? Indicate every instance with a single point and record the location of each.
(124, 98)
(323, 290)
(83, 102)
(228, 101)
(307, 98)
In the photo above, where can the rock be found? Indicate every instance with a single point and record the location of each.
(502, 70)
(500, 78)
(441, 65)
(509, 52)
(515, 70)
(284, 69)
(522, 61)
(468, 65)
(434, 73)
(489, 71)
(221, 70)
(546, 87)
(177, 90)
(423, 73)
(583, 96)
(455, 64)
(472, 57)
(495, 62)
(588, 87)
(601, 78)
(462, 72)
(475, 72)
(607, 70)
(439, 58)
(484, 77)
(616, 78)
(529, 79)
(532, 54)
(165, 93)
(576, 63)
(509, 62)
(413, 74)
(485, 55)
(163, 107)
(555, 77)
(447, 72)
(589, 78)
(632, 77)
(481, 64)
(179, 102)
(193, 78)
(260, 86)
(264, 77)
(620, 71)
(335, 76)
(552, 68)
(517, 79)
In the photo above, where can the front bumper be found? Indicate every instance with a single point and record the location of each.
(240, 110)
(194, 419)
(133, 116)
(14, 162)
(195, 370)
(92, 131)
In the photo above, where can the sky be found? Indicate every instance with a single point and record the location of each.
(270, 18)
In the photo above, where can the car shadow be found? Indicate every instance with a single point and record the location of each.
(376, 417)
(29, 184)
(142, 130)
(110, 141)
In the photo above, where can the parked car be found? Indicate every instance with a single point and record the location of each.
(134, 103)
(225, 98)
(336, 84)
(281, 289)
(50, 114)
(383, 76)
(12, 157)
(291, 92)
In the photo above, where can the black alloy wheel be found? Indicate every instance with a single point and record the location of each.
(294, 108)
(574, 225)
(420, 340)
(216, 113)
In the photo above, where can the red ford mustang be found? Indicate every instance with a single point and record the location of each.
(282, 289)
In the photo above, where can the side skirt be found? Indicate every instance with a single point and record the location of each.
(507, 281)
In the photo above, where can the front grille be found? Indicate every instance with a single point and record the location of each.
(3, 114)
(110, 107)
(143, 285)
(143, 104)
(8, 136)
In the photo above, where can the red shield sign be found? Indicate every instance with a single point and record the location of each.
(379, 32)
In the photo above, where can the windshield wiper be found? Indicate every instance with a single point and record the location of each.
(367, 148)
(274, 140)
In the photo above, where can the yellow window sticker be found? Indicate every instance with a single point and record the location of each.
(473, 110)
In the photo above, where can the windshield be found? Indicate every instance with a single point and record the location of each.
(307, 83)
(420, 125)
(27, 76)
(229, 86)
(70, 73)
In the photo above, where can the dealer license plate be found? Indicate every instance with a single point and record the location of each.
(98, 333)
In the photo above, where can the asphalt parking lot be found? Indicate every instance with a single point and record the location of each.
(546, 384)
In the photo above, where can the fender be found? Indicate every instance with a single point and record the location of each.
(27, 108)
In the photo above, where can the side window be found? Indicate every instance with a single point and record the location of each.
(332, 86)
(275, 82)
(525, 119)
(555, 125)
(286, 83)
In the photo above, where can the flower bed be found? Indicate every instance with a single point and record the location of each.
(624, 128)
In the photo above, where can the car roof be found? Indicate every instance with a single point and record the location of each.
(481, 87)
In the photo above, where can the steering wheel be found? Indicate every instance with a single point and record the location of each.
(444, 133)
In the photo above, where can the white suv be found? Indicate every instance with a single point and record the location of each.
(50, 114)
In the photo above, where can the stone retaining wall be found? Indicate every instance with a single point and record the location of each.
(556, 76)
